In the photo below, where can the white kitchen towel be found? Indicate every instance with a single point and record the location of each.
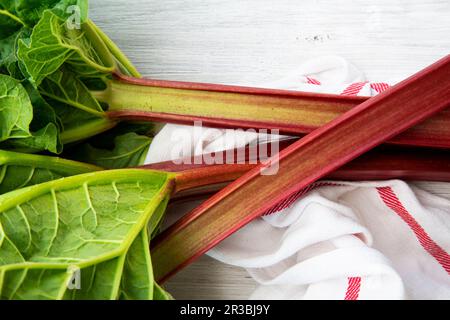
(340, 240)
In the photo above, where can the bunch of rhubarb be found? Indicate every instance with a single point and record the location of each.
(77, 208)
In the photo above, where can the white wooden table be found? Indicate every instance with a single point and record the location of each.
(256, 41)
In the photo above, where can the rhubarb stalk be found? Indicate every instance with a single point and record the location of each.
(290, 112)
(311, 158)
(381, 164)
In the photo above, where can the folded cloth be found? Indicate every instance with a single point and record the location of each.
(340, 240)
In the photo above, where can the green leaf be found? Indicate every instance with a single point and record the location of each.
(87, 223)
(98, 282)
(43, 113)
(70, 8)
(30, 11)
(7, 50)
(9, 24)
(8, 5)
(160, 294)
(16, 111)
(129, 150)
(96, 84)
(106, 140)
(44, 127)
(123, 63)
(42, 133)
(18, 170)
(22, 126)
(78, 125)
(9, 63)
(45, 139)
(137, 279)
(64, 86)
(52, 44)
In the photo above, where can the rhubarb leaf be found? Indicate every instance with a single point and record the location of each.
(22, 126)
(45, 126)
(129, 150)
(98, 282)
(43, 113)
(9, 63)
(19, 170)
(52, 44)
(16, 111)
(7, 51)
(7, 5)
(30, 11)
(160, 294)
(124, 64)
(9, 24)
(71, 8)
(44, 139)
(79, 226)
(77, 124)
(137, 278)
(64, 86)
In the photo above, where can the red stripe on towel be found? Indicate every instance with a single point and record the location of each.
(313, 81)
(379, 87)
(392, 201)
(289, 201)
(354, 89)
(354, 285)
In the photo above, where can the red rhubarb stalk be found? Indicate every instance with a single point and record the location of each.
(291, 112)
(386, 164)
(311, 158)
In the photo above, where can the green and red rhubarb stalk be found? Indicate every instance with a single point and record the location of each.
(290, 112)
(311, 158)
(196, 178)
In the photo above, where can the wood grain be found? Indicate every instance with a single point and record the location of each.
(255, 41)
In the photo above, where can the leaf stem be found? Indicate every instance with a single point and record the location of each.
(87, 130)
(124, 62)
(12, 16)
(54, 163)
